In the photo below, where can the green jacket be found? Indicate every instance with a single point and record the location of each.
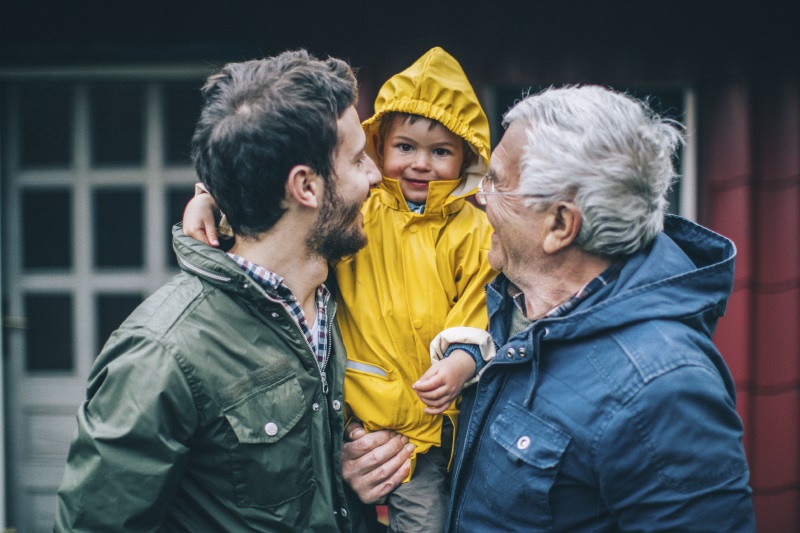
(206, 411)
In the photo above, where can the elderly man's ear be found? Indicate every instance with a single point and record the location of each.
(304, 186)
(563, 224)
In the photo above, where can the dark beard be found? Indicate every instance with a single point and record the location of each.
(335, 235)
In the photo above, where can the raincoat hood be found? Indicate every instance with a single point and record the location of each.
(436, 87)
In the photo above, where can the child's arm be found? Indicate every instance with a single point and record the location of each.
(453, 367)
(198, 218)
(443, 381)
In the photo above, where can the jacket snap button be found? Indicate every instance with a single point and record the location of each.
(337, 404)
(523, 442)
(417, 324)
(343, 512)
(315, 407)
(511, 352)
(271, 429)
(274, 315)
(412, 229)
(522, 352)
(245, 286)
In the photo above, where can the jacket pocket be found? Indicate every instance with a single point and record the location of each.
(375, 395)
(525, 456)
(271, 456)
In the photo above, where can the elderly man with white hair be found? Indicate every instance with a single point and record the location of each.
(606, 407)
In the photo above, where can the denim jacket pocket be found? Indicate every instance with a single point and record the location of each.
(271, 459)
(526, 453)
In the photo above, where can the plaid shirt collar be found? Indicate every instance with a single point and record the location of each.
(274, 286)
(606, 277)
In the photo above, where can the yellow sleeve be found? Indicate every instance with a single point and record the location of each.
(471, 269)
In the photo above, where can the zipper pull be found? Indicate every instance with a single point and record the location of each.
(324, 377)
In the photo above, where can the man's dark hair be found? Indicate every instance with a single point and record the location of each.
(261, 118)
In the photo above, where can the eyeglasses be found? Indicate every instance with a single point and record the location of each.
(486, 187)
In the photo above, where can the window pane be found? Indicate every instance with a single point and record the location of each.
(182, 103)
(118, 228)
(45, 124)
(177, 198)
(117, 122)
(112, 310)
(49, 332)
(47, 228)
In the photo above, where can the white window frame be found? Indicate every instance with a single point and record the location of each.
(83, 281)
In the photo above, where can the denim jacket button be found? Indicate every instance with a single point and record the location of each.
(511, 352)
(523, 442)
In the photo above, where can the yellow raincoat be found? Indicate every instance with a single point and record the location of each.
(420, 273)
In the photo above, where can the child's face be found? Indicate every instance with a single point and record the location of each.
(416, 154)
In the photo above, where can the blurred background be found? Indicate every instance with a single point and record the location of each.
(98, 103)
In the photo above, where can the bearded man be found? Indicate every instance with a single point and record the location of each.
(217, 405)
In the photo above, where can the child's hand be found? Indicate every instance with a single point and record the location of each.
(198, 219)
(443, 381)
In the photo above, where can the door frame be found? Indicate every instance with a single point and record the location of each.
(152, 76)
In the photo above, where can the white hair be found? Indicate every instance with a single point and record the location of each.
(608, 153)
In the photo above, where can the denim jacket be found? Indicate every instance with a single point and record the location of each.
(619, 416)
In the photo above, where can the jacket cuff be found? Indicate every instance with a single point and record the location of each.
(472, 350)
(480, 340)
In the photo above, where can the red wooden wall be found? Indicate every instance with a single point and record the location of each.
(749, 162)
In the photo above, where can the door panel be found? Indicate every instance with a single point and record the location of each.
(92, 172)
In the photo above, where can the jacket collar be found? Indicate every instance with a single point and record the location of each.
(440, 202)
(214, 266)
(686, 272)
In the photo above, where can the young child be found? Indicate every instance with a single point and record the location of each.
(423, 271)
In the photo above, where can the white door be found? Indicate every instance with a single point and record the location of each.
(95, 170)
